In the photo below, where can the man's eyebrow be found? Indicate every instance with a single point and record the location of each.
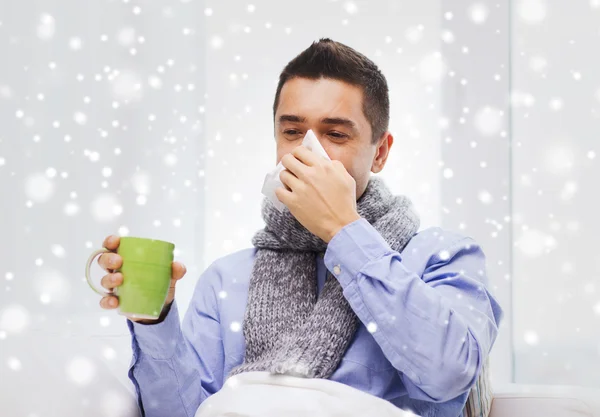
(339, 121)
(291, 118)
(327, 120)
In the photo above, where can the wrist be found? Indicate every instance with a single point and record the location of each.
(336, 229)
(160, 319)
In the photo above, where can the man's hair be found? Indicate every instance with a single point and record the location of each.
(334, 60)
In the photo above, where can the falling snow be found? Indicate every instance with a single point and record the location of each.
(46, 27)
(478, 12)
(489, 121)
(531, 337)
(125, 155)
(39, 188)
(14, 318)
(14, 363)
(75, 43)
(106, 207)
(531, 11)
(414, 34)
(432, 68)
(81, 370)
(559, 158)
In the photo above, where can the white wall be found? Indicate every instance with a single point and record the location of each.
(476, 197)
(556, 150)
(92, 142)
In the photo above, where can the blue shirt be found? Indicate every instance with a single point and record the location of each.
(427, 324)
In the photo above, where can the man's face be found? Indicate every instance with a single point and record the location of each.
(333, 110)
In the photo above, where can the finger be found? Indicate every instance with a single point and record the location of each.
(109, 302)
(289, 180)
(178, 270)
(111, 242)
(110, 281)
(110, 261)
(306, 156)
(283, 195)
(338, 165)
(294, 165)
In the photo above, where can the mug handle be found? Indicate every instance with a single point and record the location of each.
(101, 291)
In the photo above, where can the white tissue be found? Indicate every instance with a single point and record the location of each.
(272, 180)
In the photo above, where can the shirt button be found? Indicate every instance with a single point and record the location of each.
(337, 270)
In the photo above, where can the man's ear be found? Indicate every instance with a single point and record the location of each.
(384, 144)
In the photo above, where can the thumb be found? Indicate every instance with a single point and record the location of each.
(178, 270)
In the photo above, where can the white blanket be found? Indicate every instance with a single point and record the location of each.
(262, 394)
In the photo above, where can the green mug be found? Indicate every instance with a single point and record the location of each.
(146, 273)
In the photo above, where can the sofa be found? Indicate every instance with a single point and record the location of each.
(519, 400)
(42, 386)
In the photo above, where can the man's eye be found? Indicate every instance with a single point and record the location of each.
(291, 132)
(338, 135)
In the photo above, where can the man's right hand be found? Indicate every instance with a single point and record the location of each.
(111, 261)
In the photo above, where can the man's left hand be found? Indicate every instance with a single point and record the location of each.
(321, 194)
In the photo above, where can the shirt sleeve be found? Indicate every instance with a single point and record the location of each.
(435, 329)
(177, 366)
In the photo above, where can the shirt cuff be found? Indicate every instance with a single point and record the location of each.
(353, 247)
(158, 340)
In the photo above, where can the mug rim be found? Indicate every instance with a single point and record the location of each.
(147, 239)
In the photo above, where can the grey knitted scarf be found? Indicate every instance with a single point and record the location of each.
(288, 328)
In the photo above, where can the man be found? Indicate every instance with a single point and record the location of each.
(399, 314)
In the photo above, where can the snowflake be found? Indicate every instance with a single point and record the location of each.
(432, 68)
(105, 207)
(155, 82)
(485, 197)
(556, 104)
(75, 43)
(80, 118)
(71, 209)
(14, 363)
(351, 7)
(141, 182)
(478, 13)
(532, 11)
(372, 327)
(109, 353)
(488, 120)
(444, 255)
(559, 158)
(534, 243)
(39, 188)
(81, 370)
(58, 251)
(216, 42)
(52, 286)
(531, 337)
(414, 33)
(14, 318)
(46, 27)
